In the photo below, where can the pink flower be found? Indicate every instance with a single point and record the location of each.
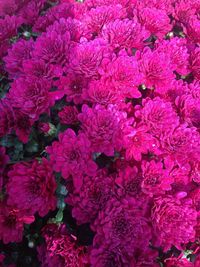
(87, 58)
(157, 115)
(96, 18)
(195, 63)
(73, 86)
(110, 255)
(68, 115)
(178, 262)
(139, 142)
(91, 197)
(155, 21)
(19, 52)
(7, 7)
(177, 50)
(53, 48)
(102, 92)
(22, 126)
(192, 29)
(123, 74)
(72, 155)
(173, 221)
(156, 67)
(156, 180)
(32, 186)
(104, 127)
(53, 14)
(31, 96)
(182, 143)
(61, 248)
(12, 222)
(125, 34)
(183, 10)
(121, 219)
(129, 181)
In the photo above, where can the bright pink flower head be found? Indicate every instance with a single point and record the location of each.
(182, 143)
(195, 63)
(157, 115)
(72, 155)
(173, 221)
(68, 115)
(96, 18)
(102, 92)
(53, 48)
(73, 86)
(104, 127)
(31, 95)
(129, 181)
(139, 142)
(183, 10)
(177, 50)
(7, 117)
(87, 58)
(7, 7)
(12, 222)
(155, 21)
(91, 197)
(30, 11)
(193, 29)
(32, 186)
(189, 109)
(19, 52)
(125, 34)
(8, 27)
(61, 249)
(157, 69)
(53, 14)
(122, 223)
(124, 74)
(156, 180)
(165, 5)
(110, 255)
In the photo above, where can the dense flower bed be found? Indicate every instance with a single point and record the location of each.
(100, 133)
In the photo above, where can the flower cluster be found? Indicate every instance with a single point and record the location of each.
(100, 129)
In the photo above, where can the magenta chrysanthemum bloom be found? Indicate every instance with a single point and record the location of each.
(193, 29)
(102, 92)
(183, 10)
(7, 7)
(156, 180)
(73, 86)
(123, 74)
(189, 110)
(53, 48)
(139, 142)
(104, 127)
(68, 115)
(19, 52)
(53, 14)
(72, 155)
(177, 50)
(157, 69)
(61, 248)
(122, 219)
(7, 117)
(32, 186)
(173, 221)
(125, 34)
(195, 63)
(96, 18)
(91, 197)
(12, 222)
(157, 115)
(87, 58)
(31, 96)
(129, 182)
(178, 262)
(165, 5)
(155, 21)
(182, 143)
(112, 255)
